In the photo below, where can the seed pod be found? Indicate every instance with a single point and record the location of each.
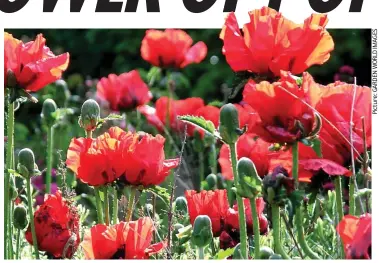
(229, 124)
(265, 253)
(212, 181)
(20, 220)
(26, 162)
(250, 184)
(49, 107)
(202, 231)
(90, 115)
(181, 206)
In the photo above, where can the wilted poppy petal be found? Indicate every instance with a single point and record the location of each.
(327, 166)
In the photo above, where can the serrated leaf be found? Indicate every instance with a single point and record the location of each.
(223, 254)
(161, 192)
(199, 122)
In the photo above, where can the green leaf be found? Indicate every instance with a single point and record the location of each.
(11, 171)
(161, 192)
(200, 122)
(223, 254)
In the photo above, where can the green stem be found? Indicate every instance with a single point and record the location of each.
(18, 244)
(298, 213)
(115, 206)
(230, 193)
(10, 231)
(131, 204)
(351, 195)
(106, 205)
(50, 141)
(276, 228)
(213, 158)
(154, 201)
(200, 251)
(31, 219)
(99, 206)
(8, 165)
(201, 169)
(241, 208)
(139, 121)
(338, 189)
(254, 212)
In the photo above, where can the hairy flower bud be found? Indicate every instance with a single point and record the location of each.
(90, 115)
(63, 93)
(48, 108)
(229, 124)
(202, 231)
(181, 206)
(26, 163)
(20, 220)
(250, 184)
(265, 253)
(211, 181)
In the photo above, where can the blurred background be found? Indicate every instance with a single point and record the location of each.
(95, 53)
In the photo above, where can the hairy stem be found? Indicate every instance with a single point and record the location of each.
(200, 251)
(8, 165)
(106, 206)
(99, 206)
(254, 212)
(241, 208)
(299, 213)
(339, 203)
(18, 244)
(31, 219)
(115, 206)
(276, 228)
(50, 141)
(130, 204)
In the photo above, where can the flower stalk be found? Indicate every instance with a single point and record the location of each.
(50, 141)
(254, 212)
(339, 204)
(276, 228)
(106, 206)
(115, 206)
(132, 196)
(31, 216)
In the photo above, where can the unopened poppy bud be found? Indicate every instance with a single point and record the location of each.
(202, 231)
(237, 254)
(90, 115)
(250, 184)
(11, 79)
(26, 162)
(220, 182)
(181, 206)
(62, 90)
(20, 220)
(211, 181)
(265, 253)
(229, 124)
(48, 108)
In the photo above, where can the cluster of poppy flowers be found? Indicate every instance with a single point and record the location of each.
(279, 111)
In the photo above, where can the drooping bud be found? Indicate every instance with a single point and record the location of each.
(181, 207)
(278, 186)
(26, 163)
(63, 93)
(90, 115)
(20, 219)
(250, 184)
(237, 254)
(211, 181)
(202, 231)
(221, 184)
(49, 107)
(265, 253)
(229, 124)
(11, 79)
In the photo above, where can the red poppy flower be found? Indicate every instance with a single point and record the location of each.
(256, 150)
(144, 161)
(57, 227)
(283, 118)
(99, 161)
(271, 43)
(167, 110)
(122, 241)
(232, 222)
(124, 92)
(171, 48)
(33, 64)
(356, 236)
(211, 203)
(334, 102)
